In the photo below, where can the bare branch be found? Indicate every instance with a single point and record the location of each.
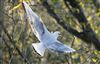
(13, 43)
(87, 35)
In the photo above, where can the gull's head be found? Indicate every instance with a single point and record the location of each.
(56, 33)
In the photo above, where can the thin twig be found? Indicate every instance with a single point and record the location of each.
(73, 41)
(13, 42)
(4, 60)
(7, 15)
(7, 47)
(67, 59)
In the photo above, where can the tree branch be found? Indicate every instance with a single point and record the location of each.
(59, 20)
(87, 35)
(13, 43)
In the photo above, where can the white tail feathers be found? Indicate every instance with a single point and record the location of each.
(39, 47)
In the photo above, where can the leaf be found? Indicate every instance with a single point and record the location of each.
(14, 8)
(81, 4)
(94, 59)
(77, 41)
(75, 56)
(89, 18)
(20, 1)
(98, 14)
(27, 0)
(54, 1)
(19, 5)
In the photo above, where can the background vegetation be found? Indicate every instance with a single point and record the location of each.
(77, 20)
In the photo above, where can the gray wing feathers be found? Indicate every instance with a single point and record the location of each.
(61, 48)
(39, 27)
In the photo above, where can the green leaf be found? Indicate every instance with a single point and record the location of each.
(54, 1)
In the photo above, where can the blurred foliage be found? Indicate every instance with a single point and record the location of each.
(19, 30)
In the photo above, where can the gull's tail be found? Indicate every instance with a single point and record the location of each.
(39, 47)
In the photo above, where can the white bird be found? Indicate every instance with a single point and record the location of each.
(48, 40)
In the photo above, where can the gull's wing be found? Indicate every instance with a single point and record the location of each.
(39, 47)
(37, 25)
(60, 47)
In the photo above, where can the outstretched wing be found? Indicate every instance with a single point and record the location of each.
(38, 27)
(60, 48)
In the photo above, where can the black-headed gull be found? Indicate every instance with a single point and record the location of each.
(48, 40)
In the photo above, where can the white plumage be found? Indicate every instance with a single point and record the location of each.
(48, 40)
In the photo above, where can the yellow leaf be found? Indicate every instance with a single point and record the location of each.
(95, 52)
(98, 14)
(77, 41)
(27, 0)
(89, 18)
(20, 1)
(96, 31)
(81, 4)
(75, 55)
(14, 8)
(94, 59)
(19, 5)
